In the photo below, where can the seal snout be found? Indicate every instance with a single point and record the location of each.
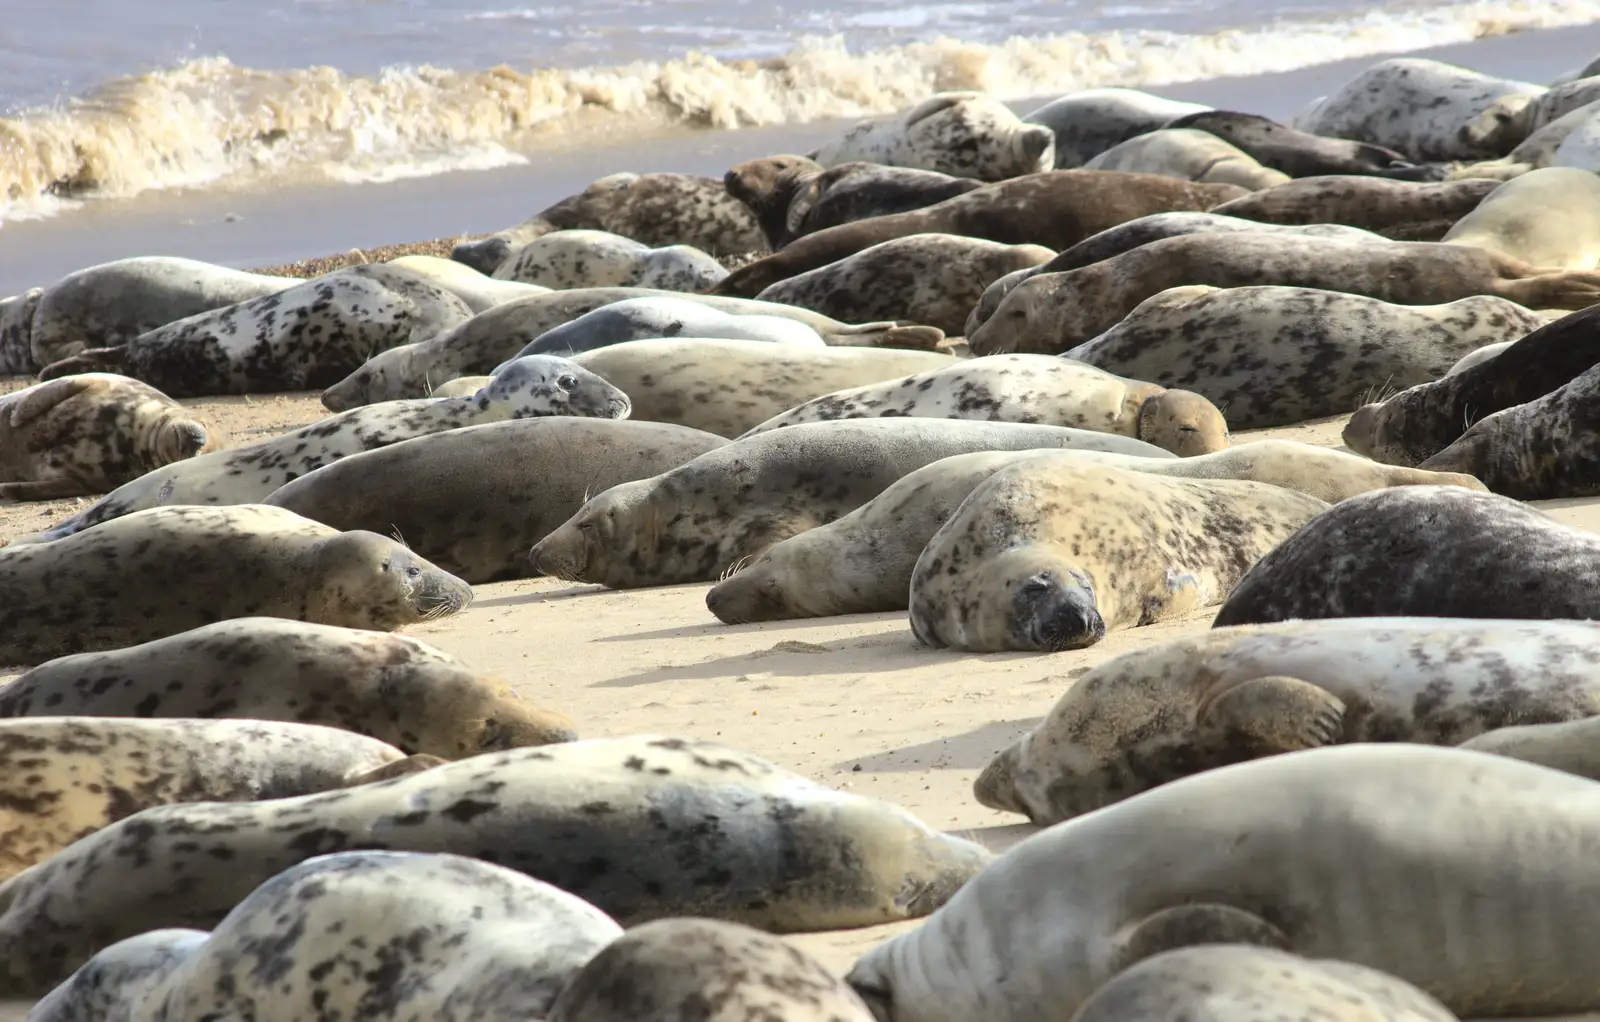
(1360, 432)
(562, 554)
(619, 407)
(1053, 616)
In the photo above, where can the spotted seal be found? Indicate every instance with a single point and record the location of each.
(474, 500)
(1426, 551)
(1403, 210)
(1155, 715)
(1190, 154)
(572, 259)
(16, 332)
(1030, 388)
(88, 434)
(305, 337)
(862, 563)
(964, 134)
(481, 293)
(924, 278)
(692, 523)
(636, 319)
(1355, 852)
(1298, 153)
(1051, 553)
(642, 827)
(1516, 219)
(159, 572)
(391, 687)
(1088, 122)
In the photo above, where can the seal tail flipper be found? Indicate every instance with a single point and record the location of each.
(36, 401)
(91, 360)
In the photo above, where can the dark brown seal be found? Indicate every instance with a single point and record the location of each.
(1403, 210)
(1301, 154)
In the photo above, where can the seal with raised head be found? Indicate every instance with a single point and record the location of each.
(1190, 154)
(1088, 122)
(394, 688)
(1301, 154)
(1030, 388)
(474, 500)
(159, 572)
(1357, 852)
(1429, 551)
(637, 319)
(1517, 219)
(1403, 210)
(933, 279)
(642, 827)
(573, 259)
(862, 563)
(480, 292)
(694, 522)
(964, 134)
(1051, 553)
(675, 969)
(88, 434)
(1155, 715)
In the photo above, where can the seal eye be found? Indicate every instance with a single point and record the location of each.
(567, 381)
(1035, 586)
(586, 526)
(413, 572)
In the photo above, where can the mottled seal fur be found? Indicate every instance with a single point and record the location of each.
(637, 319)
(16, 332)
(924, 278)
(1088, 122)
(163, 571)
(474, 500)
(394, 688)
(692, 523)
(964, 134)
(1189, 154)
(1030, 388)
(306, 337)
(862, 563)
(480, 292)
(1426, 551)
(1404, 210)
(642, 827)
(672, 970)
(88, 434)
(1298, 153)
(1518, 219)
(573, 259)
(1357, 852)
(1050, 554)
(654, 209)
(1055, 209)
(63, 778)
(375, 935)
(1155, 715)
(1275, 356)
(1056, 312)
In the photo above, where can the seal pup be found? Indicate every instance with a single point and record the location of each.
(1298, 153)
(653, 209)
(1403, 210)
(88, 434)
(1030, 388)
(1357, 852)
(637, 319)
(1088, 122)
(1204, 701)
(1190, 154)
(473, 500)
(163, 571)
(642, 827)
(64, 778)
(572, 259)
(862, 563)
(306, 337)
(924, 278)
(964, 134)
(1056, 312)
(1426, 551)
(1516, 219)
(674, 969)
(1050, 554)
(16, 332)
(692, 523)
(393, 688)
(480, 292)
(1275, 356)
(1571, 746)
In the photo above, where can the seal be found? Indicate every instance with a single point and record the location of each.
(537, 385)
(572, 259)
(1276, 356)
(924, 278)
(474, 500)
(674, 969)
(1050, 554)
(393, 688)
(1298, 153)
(1190, 154)
(1477, 355)
(163, 571)
(1427, 551)
(481, 293)
(1056, 312)
(461, 386)
(92, 433)
(65, 778)
(1580, 147)
(1568, 746)
(862, 563)
(1030, 388)
(1403, 210)
(1088, 122)
(385, 934)
(1282, 852)
(1515, 219)
(693, 523)
(16, 332)
(635, 319)
(1204, 701)
(305, 337)
(792, 196)
(1055, 209)
(619, 822)
(1541, 148)
(1424, 419)
(964, 134)
(653, 209)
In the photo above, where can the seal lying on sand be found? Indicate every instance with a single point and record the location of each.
(1516, 219)
(572, 259)
(966, 134)
(1088, 122)
(1299, 153)
(1395, 209)
(1190, 155)
(637, 319)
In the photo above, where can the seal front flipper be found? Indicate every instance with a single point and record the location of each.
(1274, 714)
(92, 360)
(1189, 925)
(30, 404)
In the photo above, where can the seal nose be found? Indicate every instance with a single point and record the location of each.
(1057, 616)
(620, 407)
